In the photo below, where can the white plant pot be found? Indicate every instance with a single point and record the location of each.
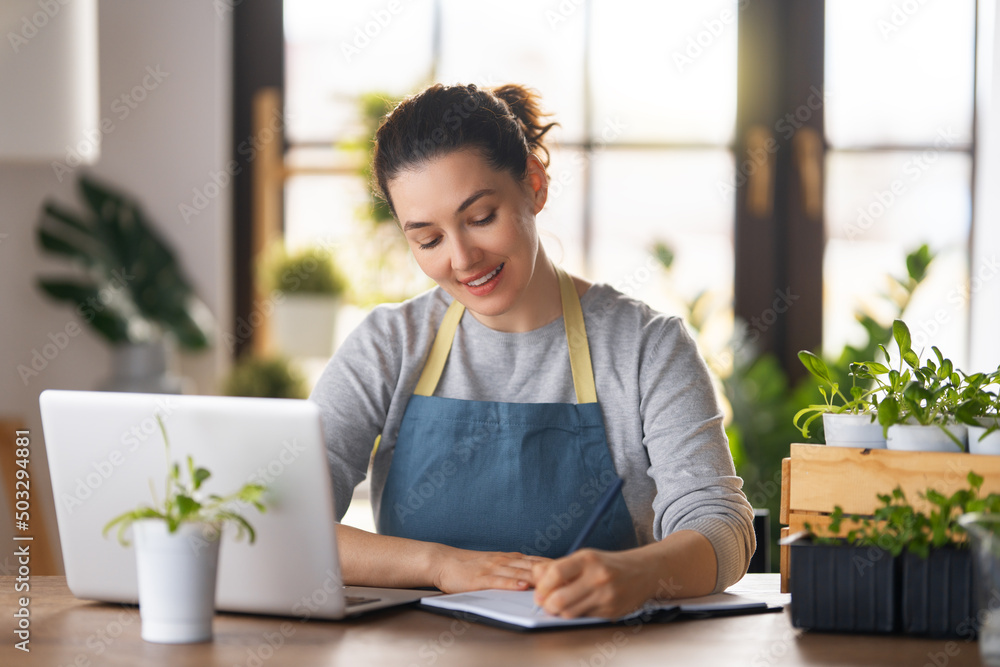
(988, 445)
(304, 324)
(919, 438)
(143, 368)
(177, 574)
(849, 430)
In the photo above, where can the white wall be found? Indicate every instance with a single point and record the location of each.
(168, 144)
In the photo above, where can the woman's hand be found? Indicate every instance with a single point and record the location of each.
(460, 570)
(593, 583)
(615, 583)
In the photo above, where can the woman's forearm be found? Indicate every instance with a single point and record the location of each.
(367, 559)
(681, 565)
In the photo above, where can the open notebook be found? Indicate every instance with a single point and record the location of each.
(515, 609)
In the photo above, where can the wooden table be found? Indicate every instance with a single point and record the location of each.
(67, 631)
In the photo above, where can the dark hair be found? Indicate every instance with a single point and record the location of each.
(504, 123)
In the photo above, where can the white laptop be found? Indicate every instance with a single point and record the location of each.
(104, 448)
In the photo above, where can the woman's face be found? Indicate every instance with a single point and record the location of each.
(472, 230)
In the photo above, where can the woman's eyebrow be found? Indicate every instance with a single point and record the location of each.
(470, 200)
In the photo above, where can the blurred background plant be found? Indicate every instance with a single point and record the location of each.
(307, 270)
(308, 288)
(758, 397)
(133, 289)
(270, 377)
(382, 266)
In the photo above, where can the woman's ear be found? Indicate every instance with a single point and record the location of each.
(538, 181)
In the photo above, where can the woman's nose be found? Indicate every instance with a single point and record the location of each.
(464, 253)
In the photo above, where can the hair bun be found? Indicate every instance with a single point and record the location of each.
(524, 104)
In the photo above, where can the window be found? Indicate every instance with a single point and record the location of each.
(633, 163)
(900, 92)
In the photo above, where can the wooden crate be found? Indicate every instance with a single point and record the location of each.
(815, 478)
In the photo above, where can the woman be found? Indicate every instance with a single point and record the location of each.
(500, 428)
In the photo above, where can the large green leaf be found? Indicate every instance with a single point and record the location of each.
(901, 333)
(816, 366)
(86, 297)
(117, 241)
(61, 246)
(917, 263)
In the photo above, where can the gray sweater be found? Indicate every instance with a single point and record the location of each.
(663, 421)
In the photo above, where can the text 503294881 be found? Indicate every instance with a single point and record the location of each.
(22, 548)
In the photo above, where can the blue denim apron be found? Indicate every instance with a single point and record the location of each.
(494, 476)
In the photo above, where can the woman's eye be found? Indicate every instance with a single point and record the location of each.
(430, 244)
(485, 221)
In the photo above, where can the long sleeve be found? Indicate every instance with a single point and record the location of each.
(354, 393)
(689, 458)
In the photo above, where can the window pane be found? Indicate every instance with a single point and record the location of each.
(560, 224)
(898, 72)
(666, 71)
(336, 51)
(320, 206)
(517, 42)
(641, 197)
(328, 210)
(880, 207)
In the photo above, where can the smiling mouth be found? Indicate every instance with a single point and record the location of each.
(485, 279)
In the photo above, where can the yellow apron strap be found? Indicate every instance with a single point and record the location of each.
(576, 340)
(439, 351)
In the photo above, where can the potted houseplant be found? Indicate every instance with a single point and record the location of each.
(900, 570)
(852, 421)
(980, 411)
(918, 412)
(937, 593)
(842, 584)
(308, 291)
(984, 532)
(177, 550)
(131, 289)
(270, 377)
